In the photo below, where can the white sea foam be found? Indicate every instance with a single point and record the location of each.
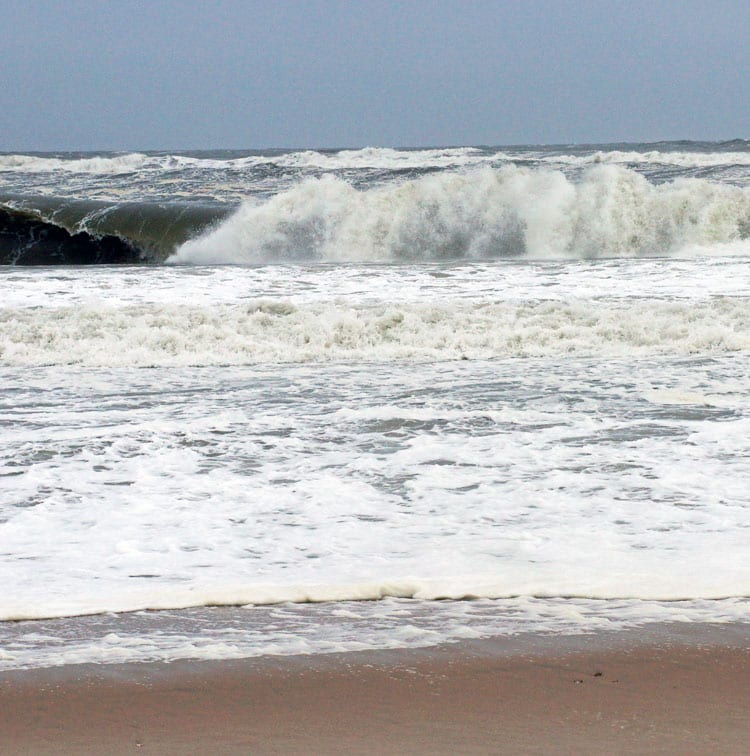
(538, 214)
(103, 165)
(370, 157)
(701, 276)
(128, 489)
(377, 158)
(233, 177)
(653, 157)
(389, 159)
(271, 331)
(468, 587)
(311, 629)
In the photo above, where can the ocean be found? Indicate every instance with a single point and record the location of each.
(304, 401)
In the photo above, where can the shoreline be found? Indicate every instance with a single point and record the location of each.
(662, 688)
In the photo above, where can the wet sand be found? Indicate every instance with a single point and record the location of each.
(647, 692)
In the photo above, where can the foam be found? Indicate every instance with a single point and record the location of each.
(309, 629)
(95, 165)
(702, 276)
(653, 157)
(375, 158)
(273, 331)
(486, 213)
(383, 158)
(370, 157)
(233, 176)
(668, 589)
(167, 488)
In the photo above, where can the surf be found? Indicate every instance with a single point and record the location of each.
(512, 212)
(273, 331)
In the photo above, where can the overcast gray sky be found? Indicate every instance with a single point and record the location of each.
(229, 73)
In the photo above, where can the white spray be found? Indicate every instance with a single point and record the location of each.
(483, 214)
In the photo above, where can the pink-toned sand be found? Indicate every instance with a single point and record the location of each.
(638, 698)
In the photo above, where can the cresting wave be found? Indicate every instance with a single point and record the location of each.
(483, 214)
(277, 331)
(685, 154)
(94, 164)
(654, 157)
(369, 157)
(27, 239)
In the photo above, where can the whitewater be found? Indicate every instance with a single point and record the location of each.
(319, 400)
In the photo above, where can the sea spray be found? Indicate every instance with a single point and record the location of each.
(512, 212)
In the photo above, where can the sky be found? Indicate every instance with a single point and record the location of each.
(181, 74)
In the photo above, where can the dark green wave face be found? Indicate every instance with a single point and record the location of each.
(26, 240)
(54, 231)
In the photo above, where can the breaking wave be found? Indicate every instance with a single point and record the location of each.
(608, 211)
(274, 331)
(483, 214)
(654, 157)
(369, 157)
(95, 164)
(683, 154)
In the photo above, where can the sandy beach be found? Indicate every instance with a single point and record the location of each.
(665, 690)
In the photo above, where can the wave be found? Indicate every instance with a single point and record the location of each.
(278, 331)
(95, 164)
(511, 212)
(27, 240)
(383, 158)
(51, 231)
(653, 157)
(377, 158)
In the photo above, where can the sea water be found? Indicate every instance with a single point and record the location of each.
(442, 394)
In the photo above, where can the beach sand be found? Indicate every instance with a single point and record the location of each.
(676, 690)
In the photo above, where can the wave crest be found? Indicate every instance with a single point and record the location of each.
(485, 214)
(95, 164)
(53, 230)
